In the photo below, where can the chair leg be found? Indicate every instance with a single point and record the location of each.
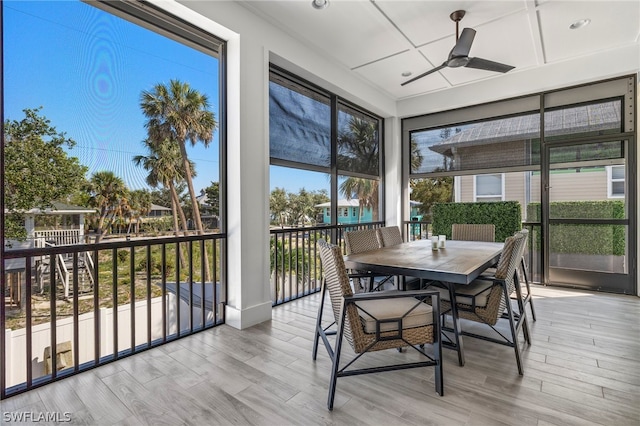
(336, 362)
(319, 330)
(529, 298)
(521, 309)
(512, 326)
(437, 344)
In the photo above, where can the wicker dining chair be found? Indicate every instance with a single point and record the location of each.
(374, 322)
(487, 299)
(486, 232)
(392, 236)
(389, 236)
(473, 232)
(358, 242)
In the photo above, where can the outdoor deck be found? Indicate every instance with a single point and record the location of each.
(582, 368)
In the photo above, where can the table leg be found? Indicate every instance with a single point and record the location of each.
(457, 331)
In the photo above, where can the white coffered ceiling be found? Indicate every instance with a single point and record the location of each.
(378, 40)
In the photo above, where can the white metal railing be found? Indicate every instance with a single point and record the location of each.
(58, 237)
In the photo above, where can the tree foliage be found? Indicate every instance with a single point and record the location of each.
(178, 113)
(38, 169)
(213, 198)
(107, 193)
(430, 191)
(289, 208)
(358, 150)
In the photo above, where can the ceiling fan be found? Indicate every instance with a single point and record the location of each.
(459, 55)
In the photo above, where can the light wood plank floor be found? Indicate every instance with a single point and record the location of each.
(583, 368)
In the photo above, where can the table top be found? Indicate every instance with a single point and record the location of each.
(459, 262)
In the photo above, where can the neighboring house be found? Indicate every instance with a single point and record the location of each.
(209, 220)
(158, 211)
(348, 212)
(415, 210)
(487, 143)
(68, 228)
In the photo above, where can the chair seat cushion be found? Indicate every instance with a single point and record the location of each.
(387, 309)
(478, 289)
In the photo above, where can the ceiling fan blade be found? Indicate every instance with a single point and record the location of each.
(485, 64)
(425, 73)
(463, 44)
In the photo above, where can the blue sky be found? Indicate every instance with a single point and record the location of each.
(87, 68)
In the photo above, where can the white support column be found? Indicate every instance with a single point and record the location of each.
(249, 300)
(393, 171)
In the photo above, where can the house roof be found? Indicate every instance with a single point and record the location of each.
(60, 208)
(155, 207)
(354, 202)
(595, 117)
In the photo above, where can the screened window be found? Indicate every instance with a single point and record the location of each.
(311, 129)
(504, 142)
(489, 187)
(299, 124)
(615, 178)
(583, 120)
(358, 142)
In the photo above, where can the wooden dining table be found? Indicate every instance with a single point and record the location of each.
(459, 262)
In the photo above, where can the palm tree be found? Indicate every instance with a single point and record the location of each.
(358, 151)
(106, 192)
(366, 190)
(140, 202)
(176, 112)
(165, 167)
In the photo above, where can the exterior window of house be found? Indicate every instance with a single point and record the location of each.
(354, 212)
(615, 181)
(489, 187)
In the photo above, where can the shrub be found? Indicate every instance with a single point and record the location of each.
(505, 215)
(584, 238)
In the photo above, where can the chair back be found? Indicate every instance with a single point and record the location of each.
(361, 240)
(509, 260)
(389, 236)
(473, 232)
(336, 282)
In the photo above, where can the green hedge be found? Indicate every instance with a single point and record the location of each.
(505, 215)
(584, 239)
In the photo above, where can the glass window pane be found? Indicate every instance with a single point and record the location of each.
(582, 193)
(358, 142)
(617, 189)
(487, 185)
(299, 197)
(299, 123)
(583, 120)
(360, 194)
(617, 172)
(588, 247)
(587, 152)
(504, 142)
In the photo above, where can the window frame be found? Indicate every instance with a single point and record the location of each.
(483, 198)
(611, 180)
(338, 105)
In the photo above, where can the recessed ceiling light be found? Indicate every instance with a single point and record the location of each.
(406, 73)
(580, 23)
(319, 4)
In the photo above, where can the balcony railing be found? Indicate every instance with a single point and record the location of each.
(142, 293)
(295, 262)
